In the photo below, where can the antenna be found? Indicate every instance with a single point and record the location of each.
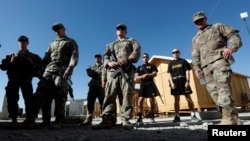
(243, 16)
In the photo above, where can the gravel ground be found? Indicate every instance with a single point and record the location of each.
(163, 130)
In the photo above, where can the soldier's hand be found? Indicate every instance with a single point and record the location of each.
(173, 86)
(122, 62)
(227, 52)
(67, 74)
(13, 57)
(197, 71)
(112, 64)
(145, 76)
(103, 83)
(187, 85)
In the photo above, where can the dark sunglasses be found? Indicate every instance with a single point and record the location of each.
(22, 40)
(145, 57)
(175, 52)
(120, 28)
(57, 28)
(199, 21)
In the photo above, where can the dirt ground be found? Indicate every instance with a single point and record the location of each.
(163, 130)
(160, 131)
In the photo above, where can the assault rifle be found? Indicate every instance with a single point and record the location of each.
(119, 70)
(70, 89)
(93, 74)
(158, 92)
(5, 63)
(71, 92)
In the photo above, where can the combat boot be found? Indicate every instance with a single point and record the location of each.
(152, 118)
(14, 121)
(57, 125)
(87, 121)
(126, 124)
(13, 124)
(139, 122)
(44, 125)
(229, 117)
(27, 124)
(235, 117)
(105, 124)
(113, 121)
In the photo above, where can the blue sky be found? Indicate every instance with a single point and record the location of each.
(158, 25)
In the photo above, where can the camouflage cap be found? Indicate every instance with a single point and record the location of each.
(98, 55)
(198, 15)
(123, 26)
(57, 26)
(23, 38)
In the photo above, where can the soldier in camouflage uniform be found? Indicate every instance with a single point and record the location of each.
(21, 67)
(212, 49)
(127, 51)
(95, 88)
(104, 81)
(60, 59)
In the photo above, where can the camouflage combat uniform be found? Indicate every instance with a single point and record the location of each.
(207, 49)
(61, 54)
(95, 90)
(20, 73)
(126, 48)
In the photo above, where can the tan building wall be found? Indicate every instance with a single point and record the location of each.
(200, 96)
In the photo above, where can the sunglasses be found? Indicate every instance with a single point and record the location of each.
(22, 40)
(175, 52)
(145, 57)
(199, 21)
(57, 28)
(120, 28)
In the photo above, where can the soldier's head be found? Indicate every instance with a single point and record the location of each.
(59, 29)
(145, 58)
(57, 26)
(23, 42)
(121, 30)
(23, 38)
(200, 19)
(121, 27)
(98, 57)
(176, 53)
